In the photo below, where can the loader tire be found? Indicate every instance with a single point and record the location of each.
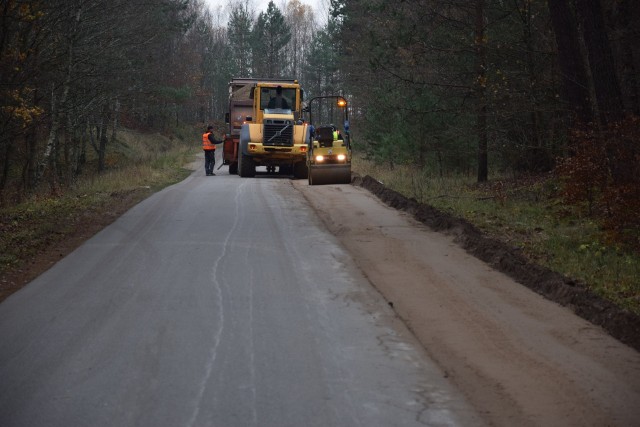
(246, 166)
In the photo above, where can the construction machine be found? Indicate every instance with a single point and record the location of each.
(329, 154)
(265, 127)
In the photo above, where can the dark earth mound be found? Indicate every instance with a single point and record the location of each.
(619, 323)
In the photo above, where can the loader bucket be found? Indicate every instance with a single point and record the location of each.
(329, 174)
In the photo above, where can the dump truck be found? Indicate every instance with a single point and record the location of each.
(329, 153)
(265, 127)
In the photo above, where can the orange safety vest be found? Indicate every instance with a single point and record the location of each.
(206, 144)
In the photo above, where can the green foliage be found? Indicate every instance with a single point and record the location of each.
(417, 130)
(423, 53)
(239, 30)
(322, 66)
(175, 94)
(270, 35)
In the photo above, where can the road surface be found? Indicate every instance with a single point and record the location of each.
(219, 301)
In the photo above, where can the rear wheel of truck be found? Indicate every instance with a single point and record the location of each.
(233, 168)
(246, 166)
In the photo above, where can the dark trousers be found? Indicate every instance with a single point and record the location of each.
(209, 161)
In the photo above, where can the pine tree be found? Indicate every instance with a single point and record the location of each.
(270, 36)
(239, 32)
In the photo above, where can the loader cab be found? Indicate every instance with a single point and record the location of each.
(269, 95)
(263, 94)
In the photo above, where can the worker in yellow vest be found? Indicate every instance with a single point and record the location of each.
(336, 133)
(209, 146)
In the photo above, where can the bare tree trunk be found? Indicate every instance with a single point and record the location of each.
(605, 82)
(572, 65)
(76, 131)
(630, 79)
(31, 140)
(533, 78)
(627, 26)
(53, 134)
(82, 155)
(480, 88)
(116, 110)
(5, 168)
(102, 136)
(606, 88)
(55, 108)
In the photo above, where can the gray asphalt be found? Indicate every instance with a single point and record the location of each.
(219, 301)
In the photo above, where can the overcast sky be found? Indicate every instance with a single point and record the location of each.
(320, 7)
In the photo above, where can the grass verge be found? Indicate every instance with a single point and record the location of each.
(38, 232)
(527, 214)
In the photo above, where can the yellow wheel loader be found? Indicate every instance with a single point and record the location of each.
(329, 154)
(265, 127)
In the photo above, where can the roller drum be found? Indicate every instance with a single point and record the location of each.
(329, 174)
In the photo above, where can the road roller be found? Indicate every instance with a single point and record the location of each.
(329, 153)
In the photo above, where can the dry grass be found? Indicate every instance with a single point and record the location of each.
(139, 164)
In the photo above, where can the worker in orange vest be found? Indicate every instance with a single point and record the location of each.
(209, 146)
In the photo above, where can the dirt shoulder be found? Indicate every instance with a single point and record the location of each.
(620, 323)
(520, 358)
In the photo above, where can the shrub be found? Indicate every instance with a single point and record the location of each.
(602, 174)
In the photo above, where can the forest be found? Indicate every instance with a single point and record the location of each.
(482, 88)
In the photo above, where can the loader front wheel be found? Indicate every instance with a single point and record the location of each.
(246, 166)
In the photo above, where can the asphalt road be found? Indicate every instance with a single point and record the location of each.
(219, 301)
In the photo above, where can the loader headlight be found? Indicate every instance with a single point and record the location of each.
(319, 158)
(342, 157)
